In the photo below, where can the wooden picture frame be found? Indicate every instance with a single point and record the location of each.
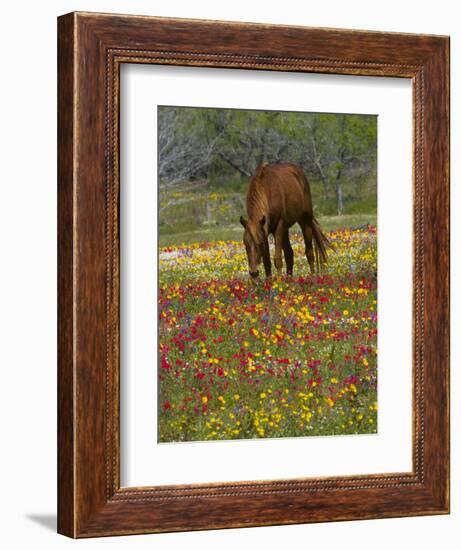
(91, 49)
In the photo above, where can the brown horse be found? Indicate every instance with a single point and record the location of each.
(279, 196)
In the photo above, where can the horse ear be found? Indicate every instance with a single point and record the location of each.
(259, 169)
(243, 221)
(262, 221)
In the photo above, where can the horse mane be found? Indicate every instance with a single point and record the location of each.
(257, 203)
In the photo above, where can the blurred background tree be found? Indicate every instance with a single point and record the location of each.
(206, 157)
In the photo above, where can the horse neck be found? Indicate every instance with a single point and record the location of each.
(257, 203)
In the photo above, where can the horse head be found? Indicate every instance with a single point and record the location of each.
(255, 241)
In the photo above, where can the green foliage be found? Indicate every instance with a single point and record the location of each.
(205, 152)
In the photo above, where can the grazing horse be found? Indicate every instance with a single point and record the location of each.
(279, 196)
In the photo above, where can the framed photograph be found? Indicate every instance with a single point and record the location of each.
(253, 259)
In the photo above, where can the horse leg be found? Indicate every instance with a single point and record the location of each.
(288, 253)
(306, 228)
(278, 242)
(267, 260)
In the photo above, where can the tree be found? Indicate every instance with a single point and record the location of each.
(184, 146)
(205, 143)
(337, 144)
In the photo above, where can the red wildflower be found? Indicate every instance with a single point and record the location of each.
(165, 364)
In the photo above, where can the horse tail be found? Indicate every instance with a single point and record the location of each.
(321, 244)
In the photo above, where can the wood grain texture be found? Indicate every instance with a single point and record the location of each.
(66, 487)
(91, 49)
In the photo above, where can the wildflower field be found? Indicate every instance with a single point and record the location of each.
(290, 357)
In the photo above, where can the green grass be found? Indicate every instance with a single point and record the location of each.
(234, 232)
(283, 358)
